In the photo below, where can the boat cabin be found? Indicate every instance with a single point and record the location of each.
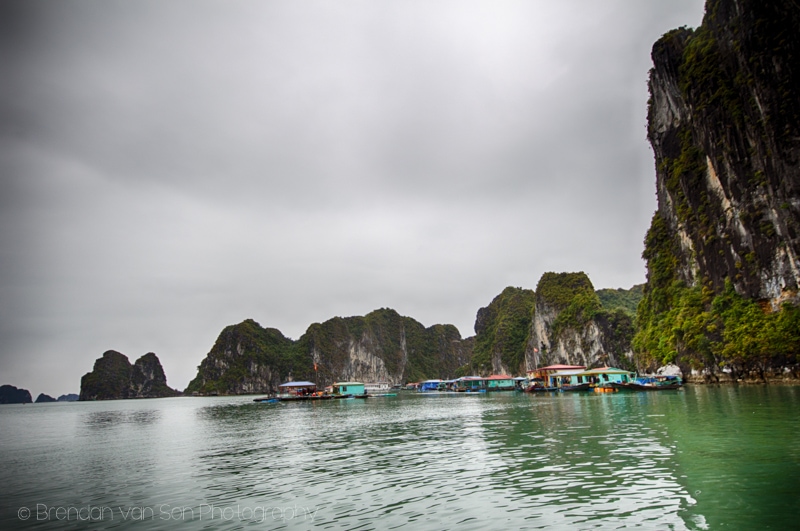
(377, 387)
(609, 375)
(589, 378)
(500, 382)
(542, 373)
(349, 388)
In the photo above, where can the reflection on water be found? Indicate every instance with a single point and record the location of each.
(110, 419)
(702, 458)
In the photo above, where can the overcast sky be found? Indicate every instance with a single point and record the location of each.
(170, 168)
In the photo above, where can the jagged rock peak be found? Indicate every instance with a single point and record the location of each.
(571, 326)
(113, 378)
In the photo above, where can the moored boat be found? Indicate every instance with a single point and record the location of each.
(295, 392)
(655, 383)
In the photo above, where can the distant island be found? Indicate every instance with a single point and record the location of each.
(11, 395)
(70, 397)
(114, 378)
(44, 398)
(562, 321)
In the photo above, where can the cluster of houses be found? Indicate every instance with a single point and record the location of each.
(550, 378)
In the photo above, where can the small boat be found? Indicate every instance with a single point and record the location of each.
(655, 383)
(576, 387)
(267, 400)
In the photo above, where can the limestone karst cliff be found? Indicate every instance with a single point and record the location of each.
(381, 346)
(722, 251)
(562, 321)
(113, 377)
(247, 358)
(571, 326)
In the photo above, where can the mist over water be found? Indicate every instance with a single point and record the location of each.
(700, 458)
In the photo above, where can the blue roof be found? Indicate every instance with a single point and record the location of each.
(298, 384)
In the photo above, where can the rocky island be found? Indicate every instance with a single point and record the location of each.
(11, 395)
(113, 377)
(385, 346)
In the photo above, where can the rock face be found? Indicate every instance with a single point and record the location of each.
(382, 346)
(563, 321)
(502, 331)
(571, 326)
(44, 398)
(723, 249)
(114, 378)
(724, 123)
(247, 358)
(11, 395)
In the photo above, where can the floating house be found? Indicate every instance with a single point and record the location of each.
(544, 372)
(377, 387)
(291, 389)
(582, 379)
(431, 385)
(608, 376)
(469, 384)
(539, 379)
(500, 382)
(348, 389)
(475, 384)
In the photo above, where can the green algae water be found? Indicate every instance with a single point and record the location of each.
(698, 458)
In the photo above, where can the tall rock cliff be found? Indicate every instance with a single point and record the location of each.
(113, 378)
(571, 326)
(502, 331)
(382, 346)
(724, 123)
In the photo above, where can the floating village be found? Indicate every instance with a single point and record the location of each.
(550, 379)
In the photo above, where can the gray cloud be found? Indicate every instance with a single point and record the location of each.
(172, 168)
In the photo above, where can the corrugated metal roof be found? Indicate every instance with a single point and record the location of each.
(298, 384)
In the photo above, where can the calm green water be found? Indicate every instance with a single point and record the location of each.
(700, 458)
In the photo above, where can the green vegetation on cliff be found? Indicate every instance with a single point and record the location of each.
(702, 330)
(249, 358)
(109, 379)
(575, 304)
(624, 299)
(407, 350)
(572, 296)
(502, 332)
